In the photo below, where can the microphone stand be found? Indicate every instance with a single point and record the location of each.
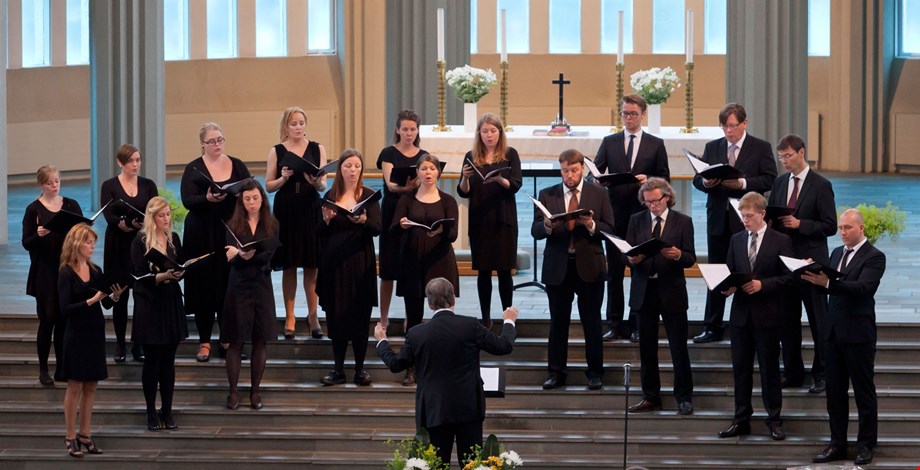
(627, 370)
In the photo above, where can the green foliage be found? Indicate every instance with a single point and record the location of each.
(888, 221)
(175, 206)
(418, 447)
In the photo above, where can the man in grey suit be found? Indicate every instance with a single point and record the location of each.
(811, 196)
(449, 399)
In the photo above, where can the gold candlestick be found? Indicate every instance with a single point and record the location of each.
(503, 97)
(618, 119)
(442, 99)
(688, 91)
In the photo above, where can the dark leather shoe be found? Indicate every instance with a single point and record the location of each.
(554, 381)
(45, 379)
(785, 382)
(409, 379)
(120, 353)
(153, 422)
(634, 336)
(776, 432)
(707, 336)
(736, 429)
(333, 378)
(362, 377)
(644, 406)
(168, 421)
(137, 353)
(818, 387)
(610, 335)
(232, 404)
(864, 455)
(255, 401)
(595, 383)
(830, 454)
(685, 408)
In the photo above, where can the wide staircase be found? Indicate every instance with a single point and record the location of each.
(306, 424)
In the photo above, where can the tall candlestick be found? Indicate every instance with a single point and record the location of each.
(504, 35)
(689, 33)
(440, 34)
(620, 37)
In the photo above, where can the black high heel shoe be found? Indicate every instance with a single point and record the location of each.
(255, 401)
(45, 379)
(73, 447)
(232, 404)
(120, 353)
(168, 422)
(153, 422)
(137, 353)
(88, 444)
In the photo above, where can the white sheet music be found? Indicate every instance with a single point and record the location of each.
(490, 378)
(793, 263)
(713, 274)
(621, 244)
(735, 203)
(697, 164)
(542, 208)
(593, 168)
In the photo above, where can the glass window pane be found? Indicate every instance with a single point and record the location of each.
(715, 29)
(565, 26)
(910, 26)
(518, 24)
(609, 33)
(222, 42)
(320, 27)
(819, 27)
(36, 33)
(175, 29)
(474, 26)
(668, 19)
(77, 32)
(271, 28)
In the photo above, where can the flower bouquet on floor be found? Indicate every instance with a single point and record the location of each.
(416, 453)
(469, 83)
(655, 84)
(492, 456)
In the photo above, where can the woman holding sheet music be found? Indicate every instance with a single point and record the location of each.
(205, 232)
(44, 247)
(159, 316)
(297, 210)
(493, 227)
(129, 194)
(401, 156)
(250, 301)
(427, 253)
(347, 284)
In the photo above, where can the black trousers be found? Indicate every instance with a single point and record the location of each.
(765, 342)
(675, 325)
(466, 434)
(590, 298)
(616, 300)
(852, 362)
(791, 339)
(715, 301)
(50, 330)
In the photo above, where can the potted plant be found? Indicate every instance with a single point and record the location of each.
(880, 222)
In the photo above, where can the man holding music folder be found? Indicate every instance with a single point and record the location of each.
(756, 314)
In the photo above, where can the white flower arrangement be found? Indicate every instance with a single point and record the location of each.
(511, 459)
(655, 84)
(416, 464)
(469, 83)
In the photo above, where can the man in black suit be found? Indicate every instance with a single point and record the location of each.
(754, 158)
(643, 155)
(449, 400)
(574, 263)
(814, 219)
(756, 315)
(850, 336)
(659, 288)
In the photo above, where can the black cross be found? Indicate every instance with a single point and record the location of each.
(561, 82)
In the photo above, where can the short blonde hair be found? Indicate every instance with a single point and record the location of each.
(754, 201)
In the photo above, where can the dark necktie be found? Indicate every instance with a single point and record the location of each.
(846, 258)
(752, 250)
(629, 151)
(573, 206)
(656, 230)
(795, 192)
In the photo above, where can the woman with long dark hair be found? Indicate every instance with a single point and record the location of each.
(347, 283)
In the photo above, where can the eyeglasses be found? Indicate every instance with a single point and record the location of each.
(216, 141)
(730, 127)
(652, 202)
(629, 114)
(786, 156)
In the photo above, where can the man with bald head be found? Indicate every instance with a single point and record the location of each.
(850, 336)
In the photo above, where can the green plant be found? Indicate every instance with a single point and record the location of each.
(175, 206)
(880, 222)
(492, 456)
(415, 453)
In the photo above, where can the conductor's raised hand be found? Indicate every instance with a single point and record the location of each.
(511, 313)
(380, 332)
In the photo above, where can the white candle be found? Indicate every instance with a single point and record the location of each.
(620, 37)
(689, 32)
(440, 35)
(504, 35)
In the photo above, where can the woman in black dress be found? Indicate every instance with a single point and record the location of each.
(493, 227)
(159, 317)
(296, 208)
(44, 247)
(136, 191)
(84, 341)
(403, 153)
(205, 233)
(250, 300)
(347, 284)
(426, 254)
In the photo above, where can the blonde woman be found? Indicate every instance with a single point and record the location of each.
(159, 316)
(84, 340)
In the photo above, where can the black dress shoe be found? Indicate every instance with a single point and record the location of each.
(45, 379)
(137, 353)
(168, 421)
(634, 336)
(776, 432)
(830, 454)
(595, 383)
(232, 404)
(864, 455)
(785, 382)
(255, 401)
(610, 335)
(153, 422)
(818, 387)
(707, 336)
(409, 379)
(644, 406)
(316, 334)
(362, 378)
(120, 353)
(554, 381)
(333, 378)
(685, 408)
(736, 429)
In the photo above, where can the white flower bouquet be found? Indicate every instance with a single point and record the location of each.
(655, 84)
(469, 83)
